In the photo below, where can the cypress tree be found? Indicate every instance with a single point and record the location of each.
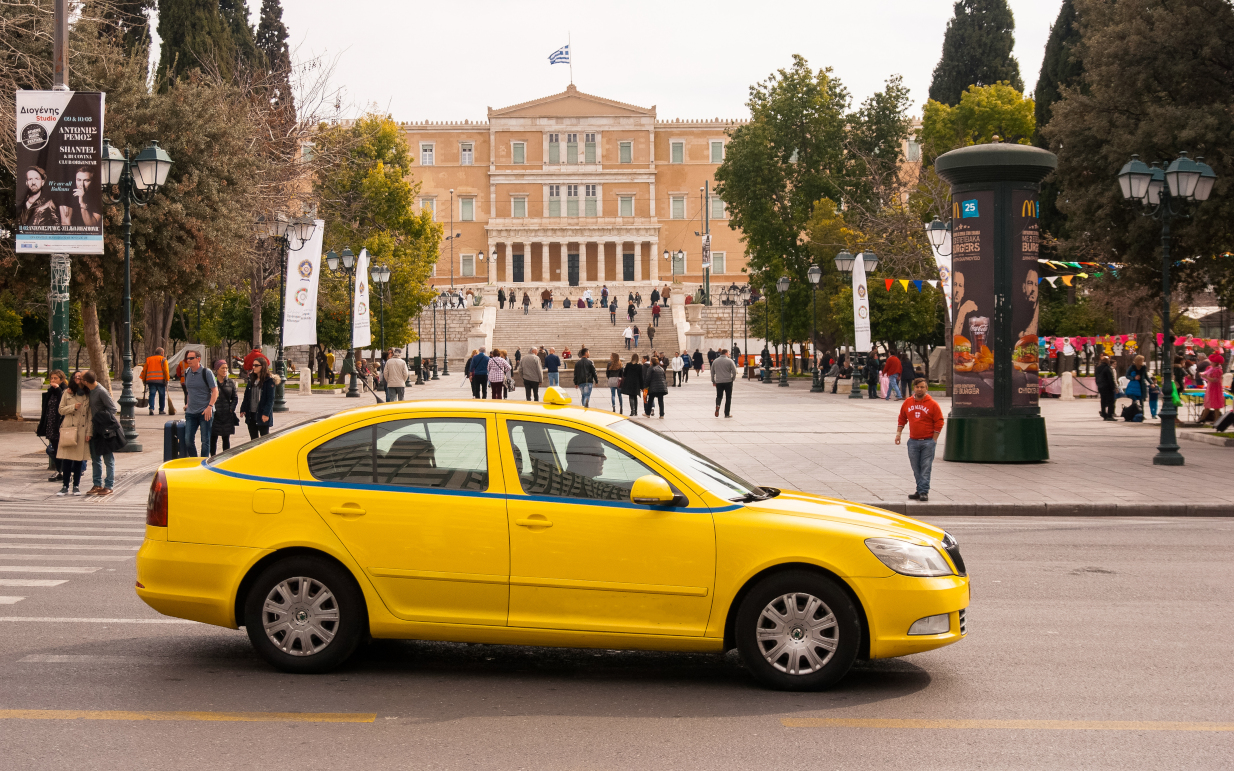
(1059, 67)
(235, 15)
(193, 31)
(976, 50)
(272, 43)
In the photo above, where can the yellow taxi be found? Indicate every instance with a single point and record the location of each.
(535, 524)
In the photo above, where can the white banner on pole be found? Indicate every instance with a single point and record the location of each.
(361, 334)
(944, 268)
(300, 299)
(861, 305)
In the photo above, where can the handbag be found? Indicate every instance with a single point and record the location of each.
(112, 436)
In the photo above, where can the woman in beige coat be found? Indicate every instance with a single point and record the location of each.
(71, 451)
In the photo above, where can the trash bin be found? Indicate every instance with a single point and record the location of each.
(10, 388)
(173, 439)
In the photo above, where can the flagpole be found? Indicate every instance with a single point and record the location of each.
(570, 58)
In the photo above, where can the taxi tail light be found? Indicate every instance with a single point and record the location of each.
(156, 504)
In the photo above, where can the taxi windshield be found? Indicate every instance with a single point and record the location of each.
(716, 479)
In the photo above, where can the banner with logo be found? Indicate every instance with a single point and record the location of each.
(861, 306)
(361, 332)
(944, 267)
(706, 251)
(300, 298)
(1023, 244)
(59, 145)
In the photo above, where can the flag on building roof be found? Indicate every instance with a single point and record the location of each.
(560, 56)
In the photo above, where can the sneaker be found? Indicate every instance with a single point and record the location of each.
(76, 490)
(56, 478)
(924, 497)
(63, 491)
(914, 496)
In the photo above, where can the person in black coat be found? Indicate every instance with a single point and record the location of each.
(225, 418)
(501, 298)
(647, 384)
(258, 406)
(50, 418)
(698, 361)
(872, 370)
(632, 382)
(1107, 388)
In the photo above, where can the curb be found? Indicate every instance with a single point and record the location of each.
(1056, 509)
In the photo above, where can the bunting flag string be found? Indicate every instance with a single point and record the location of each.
(932, 282)
(917, 283)
(1119, 343)
(889, 282)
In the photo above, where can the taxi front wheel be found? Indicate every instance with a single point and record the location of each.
(304, 615)
(797, 631)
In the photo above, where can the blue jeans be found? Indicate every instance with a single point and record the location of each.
(1152, 403)
(893, 384)
(921, 458)
(161, 390)
(97, 460)
(192, 420)
(584, 393)
(615, 393)
(554, 378)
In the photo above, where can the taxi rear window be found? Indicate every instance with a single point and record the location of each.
(250, 444)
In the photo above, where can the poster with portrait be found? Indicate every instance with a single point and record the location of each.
(1022, 249)
(300, 300)
(59, 199)
(972, 299)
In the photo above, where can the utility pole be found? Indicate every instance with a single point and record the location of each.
(61, 265)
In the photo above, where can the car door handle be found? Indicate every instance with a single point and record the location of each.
(535, 520)
(347, 510)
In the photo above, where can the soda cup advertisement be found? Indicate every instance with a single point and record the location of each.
(59, 146)
(972, 299)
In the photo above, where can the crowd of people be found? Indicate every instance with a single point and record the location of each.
(1143, 388)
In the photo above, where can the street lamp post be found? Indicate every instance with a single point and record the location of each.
(136, 181)
(745, 326)
(282, 230)
(420, 348)
(767, 337)
(782, 288)
(844, 263)
(348, 261)
(448, 300)
(381, 277)
(436, 303)
(1184, 180)
(815, 273)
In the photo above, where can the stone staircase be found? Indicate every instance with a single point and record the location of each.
(574, 328)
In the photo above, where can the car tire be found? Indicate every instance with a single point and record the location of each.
(798, 631)
(305, 615)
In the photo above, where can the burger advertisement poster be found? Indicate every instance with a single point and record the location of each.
(59, 145)
(1023, 251)
(972, 299)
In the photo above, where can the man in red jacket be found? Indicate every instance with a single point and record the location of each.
(925, 422)
(892, 370)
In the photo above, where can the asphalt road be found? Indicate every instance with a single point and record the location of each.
(1116, 631)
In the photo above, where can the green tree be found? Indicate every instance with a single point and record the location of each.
(876, 133)
(1156, 81)
(272, 42)
(235, 15)
(977, 50)
(193, 32)
(1059, 67)
(983, 112)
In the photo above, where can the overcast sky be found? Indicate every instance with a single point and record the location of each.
(450, 61)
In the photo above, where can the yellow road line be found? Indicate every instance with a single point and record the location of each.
(210, 717)
(1023, 725)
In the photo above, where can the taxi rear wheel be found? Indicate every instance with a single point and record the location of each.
(304, 615)
(798, 631)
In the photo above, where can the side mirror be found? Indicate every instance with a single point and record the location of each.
(652, 490)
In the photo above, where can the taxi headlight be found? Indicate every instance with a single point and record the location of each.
(909, 559)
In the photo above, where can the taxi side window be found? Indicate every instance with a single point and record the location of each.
(445, 453)
(562, 462)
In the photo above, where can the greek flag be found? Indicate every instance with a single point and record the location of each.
(560, 56)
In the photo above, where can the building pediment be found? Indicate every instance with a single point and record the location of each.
(572, 103)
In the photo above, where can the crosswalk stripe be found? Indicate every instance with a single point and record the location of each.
(58, 521)
(71, 537)
(46, 529)
(10, 600)
(66, 557)
(55, 620)
(31, 582)
(211, 717)
(65, 547)
(46, 569)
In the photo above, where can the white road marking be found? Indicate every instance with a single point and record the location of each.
(31, 582)
(45, 569)
(67, 548)
(57, 658)
(52, 620)
(57, 521)
(91, 557)
(10, 600)
(45, 529)
(72, 537)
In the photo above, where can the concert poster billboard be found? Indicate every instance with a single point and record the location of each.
(59, 146)
(1024, 237)
(972, 299)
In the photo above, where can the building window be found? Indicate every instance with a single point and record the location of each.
(913, 153)
(589, 148)
(678, 209)
(519, 152)
(554, 148)
(678, 152)
(467, 264)
(679, 263)
(571, 200)
(717, 263)
(718, 210)
(467, 209)
(429, 205)
(625, 206)
(554, 200)
(625, 152)
(518, 207)
(466, 153)
(571, 148)
(589, 201)
(717, 152)
(426, 154)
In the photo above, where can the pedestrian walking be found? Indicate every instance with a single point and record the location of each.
(476, 372)
(675, 365)
(630, 311)
(100, 415)
(872, 370)
(711, 356)
(499, 372)
(74, 422)
(587, 298)
(501, 299)
(257, 406)
(907, 373)
(604, 295)
(585, 377)
(655, 315)
(526, 303)
(532, 372)
(635, 336)
(1107, 389)
(723, 375)
(1214, 397)
(925, 422)
(552, 367)
(655, 296)
(201, 391)
(892, 369)
(612, 378)
(395, 373)
(651, 337)
(225, 420)
(1154, 394)
(664, 297)
(698, 362)
(627, 334)
(638, 299)
(686, 365)
(612, 311)
(1137, 382)
(50, 420)
(632, 383)
(155, 375)
(546, 299)
(657, 386)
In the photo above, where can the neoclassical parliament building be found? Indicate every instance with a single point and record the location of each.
(575, 190)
